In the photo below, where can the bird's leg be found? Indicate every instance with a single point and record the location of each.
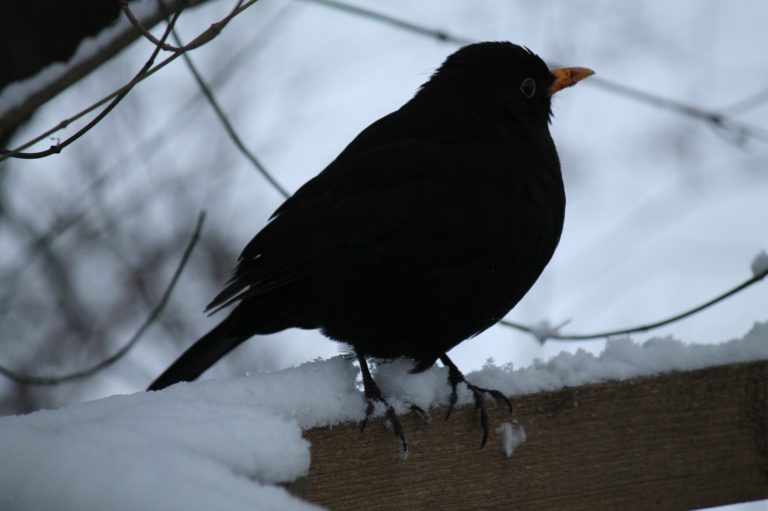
(372, 394)
(478, 393)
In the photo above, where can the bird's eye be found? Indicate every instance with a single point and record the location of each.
(528, 88)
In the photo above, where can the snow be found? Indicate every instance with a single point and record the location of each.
(512, 437)
(175, 450)
(760, 263)
(227, 444)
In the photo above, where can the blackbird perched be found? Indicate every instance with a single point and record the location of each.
(426, 230)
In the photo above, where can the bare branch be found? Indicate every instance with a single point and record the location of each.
(120, 41)
(116, 96)
(59, 146)
(717, 120)
(748, 102)
(642, 328)
(227, 124)
(200, 40)
(153, 315)
(76, 212)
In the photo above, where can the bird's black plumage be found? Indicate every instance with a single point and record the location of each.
(426, 230)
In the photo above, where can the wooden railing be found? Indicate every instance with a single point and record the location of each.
(682, 440)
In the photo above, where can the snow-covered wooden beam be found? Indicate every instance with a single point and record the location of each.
(681, 440)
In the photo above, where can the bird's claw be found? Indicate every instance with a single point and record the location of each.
(478, 394)
(373, 394)
(391, 418)
(495, 394)
(421, 413)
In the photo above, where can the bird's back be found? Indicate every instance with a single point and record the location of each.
(440, 238)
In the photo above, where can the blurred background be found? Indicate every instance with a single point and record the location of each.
(664, 210)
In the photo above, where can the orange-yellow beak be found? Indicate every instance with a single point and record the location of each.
(567, 76)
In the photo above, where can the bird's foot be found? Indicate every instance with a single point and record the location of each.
(371, 399)
(424, 415)
(478, 394)
(372, 395)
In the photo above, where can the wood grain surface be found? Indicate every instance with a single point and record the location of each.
(682, 440)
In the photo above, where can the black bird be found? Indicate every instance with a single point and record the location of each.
(426, 230)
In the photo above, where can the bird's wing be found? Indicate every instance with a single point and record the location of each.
(354, 201)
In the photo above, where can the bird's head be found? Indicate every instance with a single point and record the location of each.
(500, 79)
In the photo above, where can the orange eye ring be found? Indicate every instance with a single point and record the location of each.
(528, 87)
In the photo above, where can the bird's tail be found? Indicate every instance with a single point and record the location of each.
(202, 355)
(249, 318)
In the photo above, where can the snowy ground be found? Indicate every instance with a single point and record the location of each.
(226, 444)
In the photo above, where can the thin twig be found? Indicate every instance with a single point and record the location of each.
(153, 315)
(642, 328)
(36, 247)
(59, 146)
(148, 146)
(4, 153)
(209, 34)
(143, 31)
(395, 22)
(715, 119)
(208, 93)
(79, 66)
(748, 102)
(116, 96)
